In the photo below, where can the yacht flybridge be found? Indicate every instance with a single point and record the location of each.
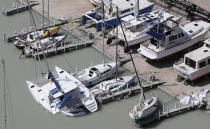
(195, 64)
(169, 40)
(145, 111)
(98, 73)
(126, 7)
(135, 28)
(65, 94)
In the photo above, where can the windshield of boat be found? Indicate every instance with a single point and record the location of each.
(134, 28)
(150, 101)
(208, 45)
(189, 62)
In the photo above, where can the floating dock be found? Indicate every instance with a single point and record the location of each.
(63, 48)
(129, 91)
(20, 8)
(24, 32)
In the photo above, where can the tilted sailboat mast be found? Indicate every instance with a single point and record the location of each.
(126, 43)
(5, 100)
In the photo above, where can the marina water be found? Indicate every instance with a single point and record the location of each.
(24, 113)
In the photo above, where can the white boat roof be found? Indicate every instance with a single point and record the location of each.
(146, 17)
(199, 54)
(127, 4)
(194, 27)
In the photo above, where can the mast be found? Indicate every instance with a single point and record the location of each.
(5, 103)
(103, 28)
(116, 58)
(136, 9)
(48, 12)
(38, 35)
(126, 43)
(43, 12)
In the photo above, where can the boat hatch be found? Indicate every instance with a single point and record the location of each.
(94, 69)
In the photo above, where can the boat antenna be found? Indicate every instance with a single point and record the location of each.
(103, 28)
(38, 35)
(126, 43)
(5, 104)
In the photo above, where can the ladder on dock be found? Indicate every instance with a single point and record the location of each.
(20, 8)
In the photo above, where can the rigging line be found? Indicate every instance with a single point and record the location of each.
(126, 42)
(38, 36)
(5, 105)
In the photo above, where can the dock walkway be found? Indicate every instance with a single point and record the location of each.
(64, 48)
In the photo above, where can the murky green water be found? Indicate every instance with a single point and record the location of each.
(25, 113)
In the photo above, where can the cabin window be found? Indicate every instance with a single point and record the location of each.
(191, 31)
(125, 11)
(209, 61)
(189, 62)
(208, 45)
(181, 35)
(202, 64)
(173, 37)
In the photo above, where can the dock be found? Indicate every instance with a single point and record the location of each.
(178, 110)
(24, 32)
(63, 48)
(129, 91)
(20, 8)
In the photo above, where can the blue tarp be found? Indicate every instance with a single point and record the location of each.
(155, 35)
(63, 101)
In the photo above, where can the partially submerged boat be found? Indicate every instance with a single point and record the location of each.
(30, 38)
(126, 7)
(145, 111)
(168, 40)
(65, 94)
(135, 28)
(43, 44)
(110, 87)
(195, 64)
(98, 73)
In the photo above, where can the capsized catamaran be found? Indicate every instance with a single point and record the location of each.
(64, 94)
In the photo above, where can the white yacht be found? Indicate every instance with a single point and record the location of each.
(195, 64)
(33, 36)
(43, 44)
(135, 28)
(112, 86)
(145, 111)
(169, 40)
(126, 7)
(65, 94)
(98, 73)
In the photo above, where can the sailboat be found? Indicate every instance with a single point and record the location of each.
(98, 73)
(113, 86)
(150, 102)
(43, 43)
(45, 32)
(30, 38)
(65, 94)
